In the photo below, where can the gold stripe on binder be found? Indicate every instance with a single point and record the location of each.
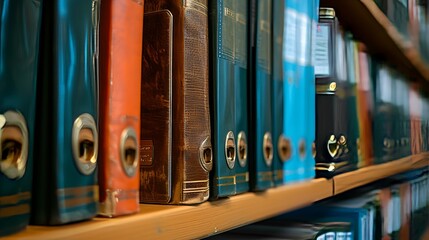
(232, 180)
(326, 12)
(14, 199)
(77, 191)
(326, 88)
(242, 177)
(278, 174)
(74, 202)
(265, 176)
(329, 166)
(15, 210)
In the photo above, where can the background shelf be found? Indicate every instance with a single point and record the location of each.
(363, 176)
(371, 26)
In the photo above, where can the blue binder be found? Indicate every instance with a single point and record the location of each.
(223, 99)
(306, 78)
(280, 145)
(241, 85)
(65, 187)
(19, 46)
(260, 165)
(293, 109)
(311, 95)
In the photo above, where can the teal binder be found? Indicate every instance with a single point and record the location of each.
(19, 48)
(261, 148)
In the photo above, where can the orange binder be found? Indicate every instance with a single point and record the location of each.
(121, 34)
(365, 107)
(415, 120)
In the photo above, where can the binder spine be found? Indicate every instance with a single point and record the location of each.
(121, 31)
(223, 95)
(19, 30)
(156, 108)
(291, 92)
(241, 103)
(196, 151)
(68, 146)
(261, 167)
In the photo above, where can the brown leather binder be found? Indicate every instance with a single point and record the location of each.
(176, 151)
(121, 31)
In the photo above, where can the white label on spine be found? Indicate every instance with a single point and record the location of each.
(349, 236)
(330, 236)
(321, 51)
(321, 237)
(303, 48)
(341, 236)
(289, 43)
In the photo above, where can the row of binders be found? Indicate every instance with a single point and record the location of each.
(400, 211)
(410, 19)
(105, 104)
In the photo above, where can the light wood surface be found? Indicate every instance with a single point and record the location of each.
(360, 177)
(369, 25)
(188, 222)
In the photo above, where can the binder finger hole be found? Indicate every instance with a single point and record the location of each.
(242, 148)
(85, 143)
(301, 149)
(230, 149)
(283, 148)
(268, 148)
(313, 150)
(206, 154)
(13, 145)
(128, 150)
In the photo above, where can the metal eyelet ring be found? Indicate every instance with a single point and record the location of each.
(230, 149)
(302, 149)
(128, 151)
(242, 148)
(284, 148)
(206, 154)
(267, 148)
(332, 146)
(13, 144)
(85, 143)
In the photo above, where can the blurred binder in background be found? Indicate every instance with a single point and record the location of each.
(333, 146)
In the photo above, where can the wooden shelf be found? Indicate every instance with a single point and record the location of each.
(190, 222)
(363, 176)
(371, 26)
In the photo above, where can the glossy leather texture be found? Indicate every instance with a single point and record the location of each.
(191, 149)
(156, 108)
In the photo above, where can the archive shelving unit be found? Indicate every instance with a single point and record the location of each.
(197, 221)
